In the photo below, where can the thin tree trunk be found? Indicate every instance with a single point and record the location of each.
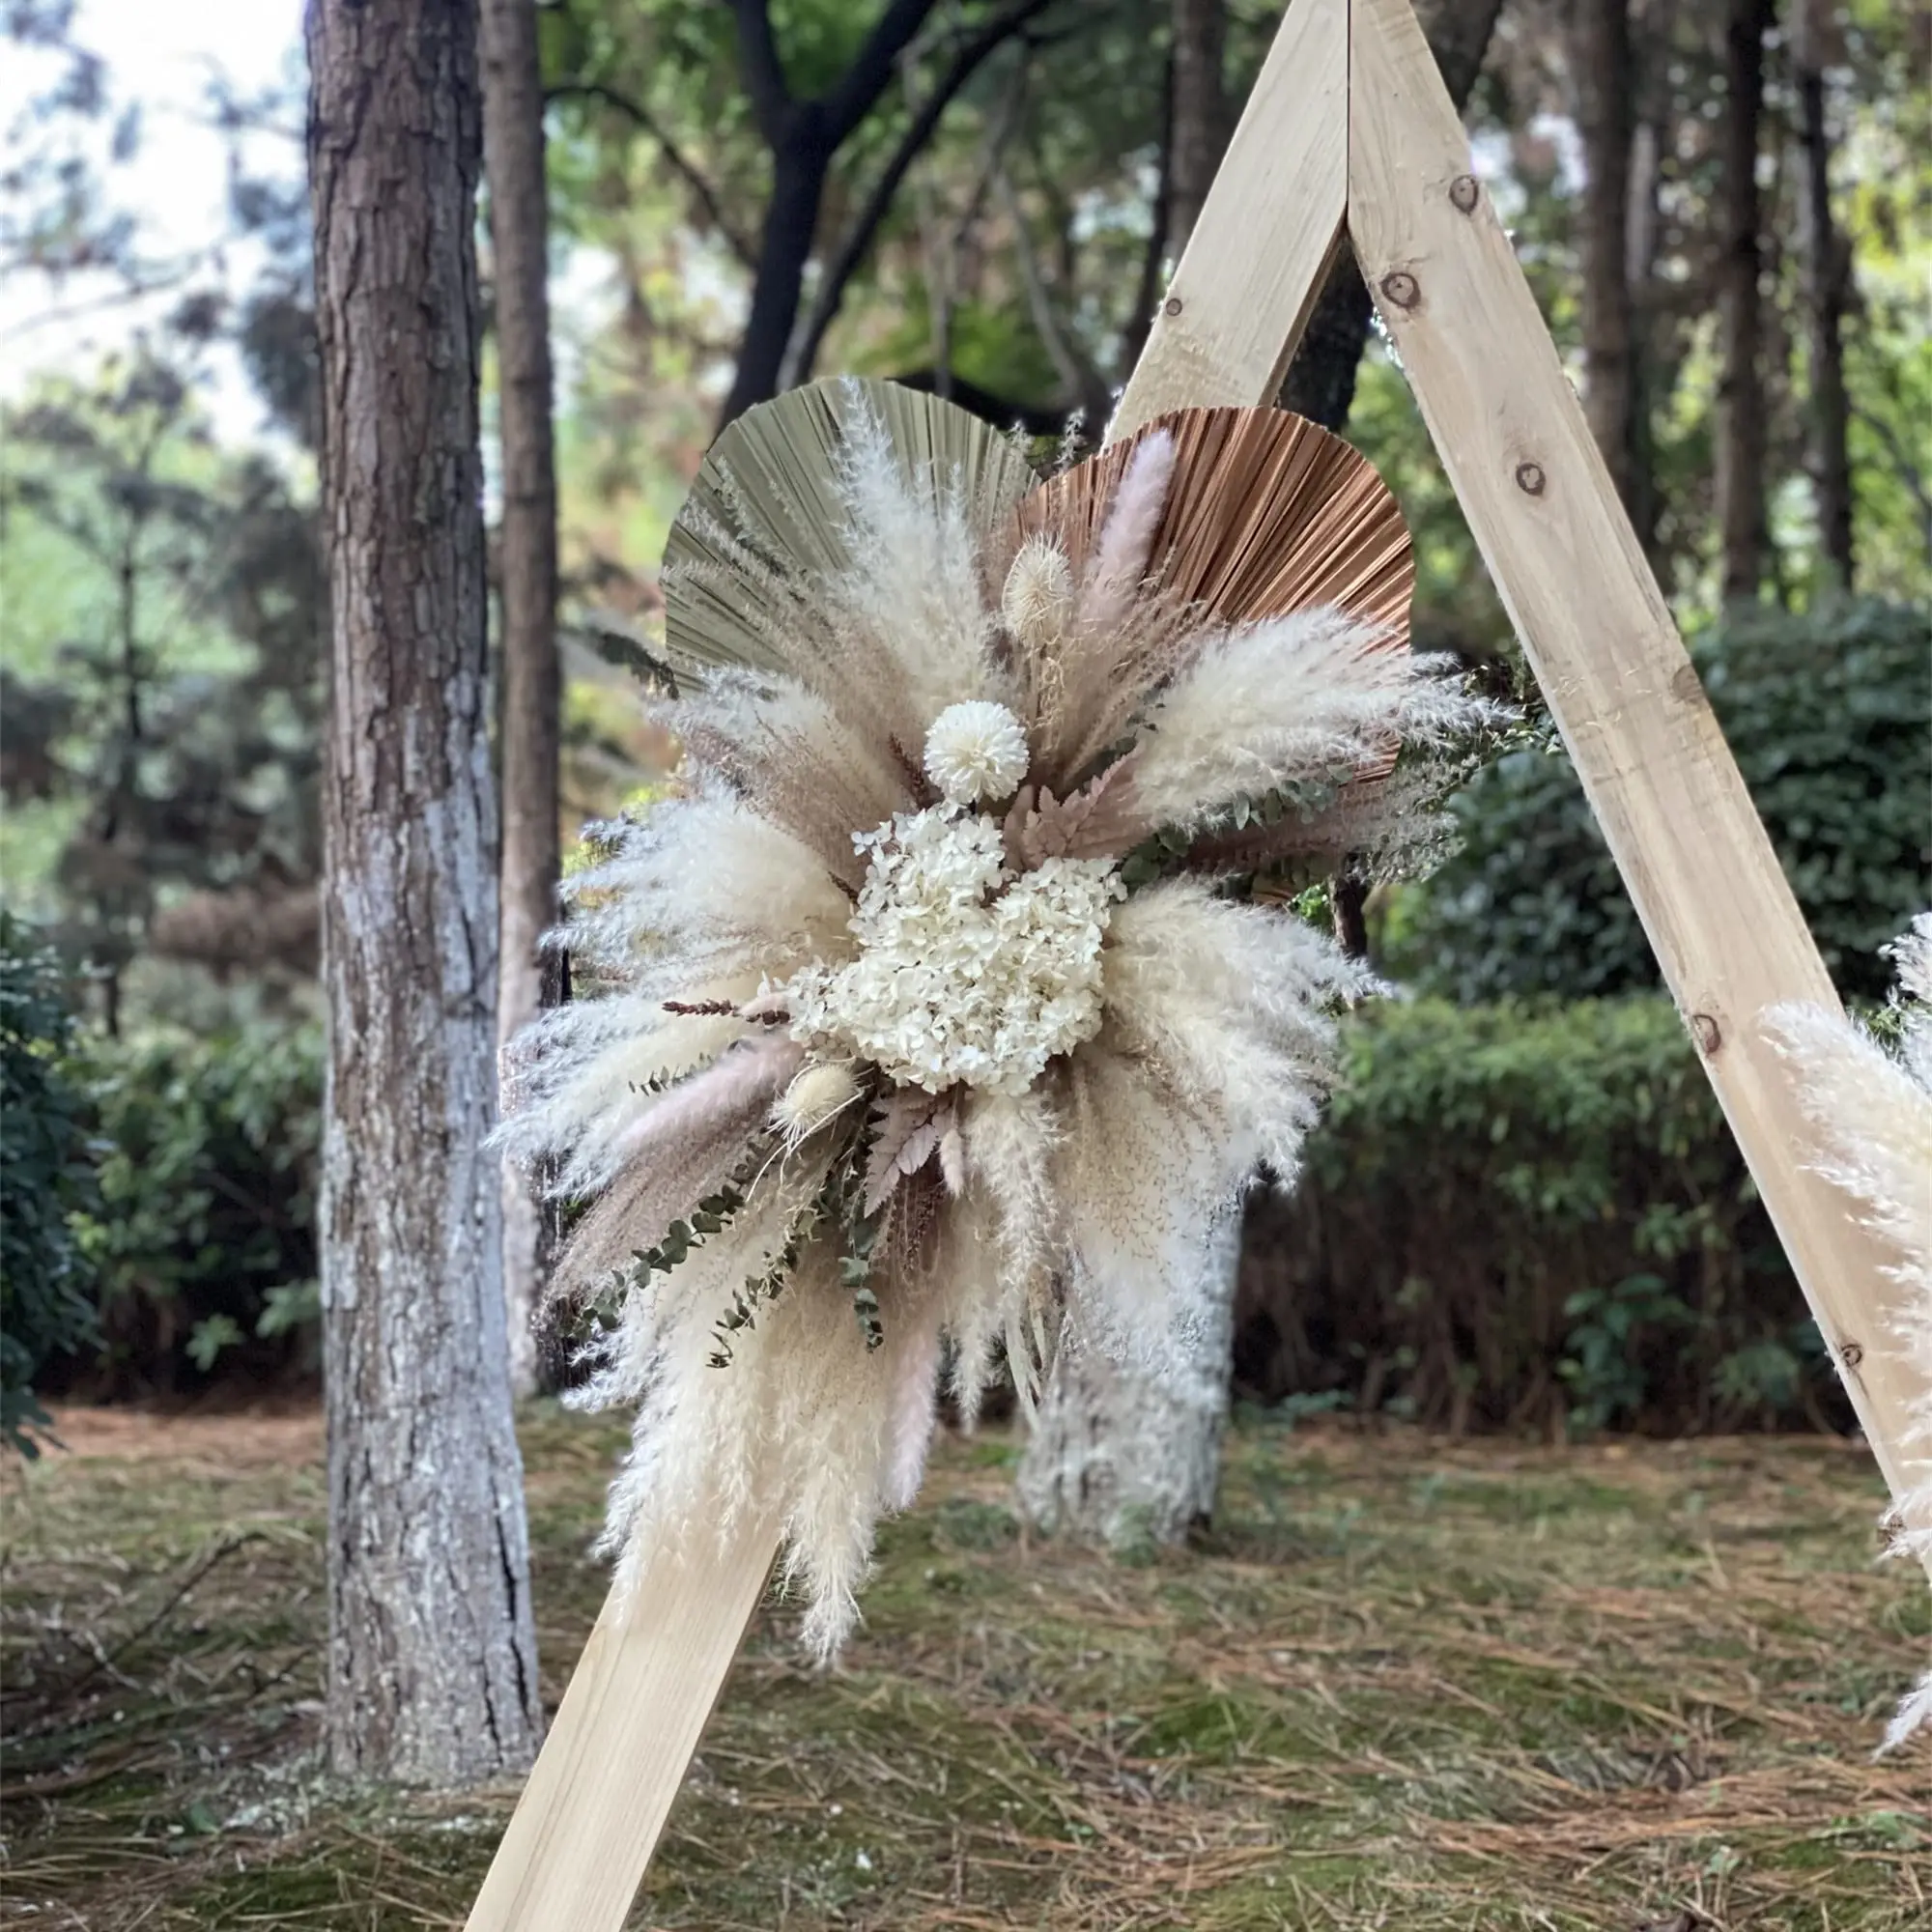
(1825, 273)
(799, 167)
(1743, 532)
(513, 155)
(1604, 79)
(431, 1660)
(1199, 122)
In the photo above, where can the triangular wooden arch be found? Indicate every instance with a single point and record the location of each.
(1349, 129)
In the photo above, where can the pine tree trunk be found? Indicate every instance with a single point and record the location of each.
(1199, 122)
(431, 1660)
(1125, 1457)
(1827, 266)
(1605, 77)
(1743, 533)
(513, 154)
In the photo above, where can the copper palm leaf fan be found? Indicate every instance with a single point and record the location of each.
(1264, 514)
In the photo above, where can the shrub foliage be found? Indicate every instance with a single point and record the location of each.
(1528, 1215)
(203, 1241)
(1830, 716)
(45, 1307)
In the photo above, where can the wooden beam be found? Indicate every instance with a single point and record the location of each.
(1655, 766)
(590, 1817)
(1260, 250)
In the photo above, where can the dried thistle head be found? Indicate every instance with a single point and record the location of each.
(1038, 601)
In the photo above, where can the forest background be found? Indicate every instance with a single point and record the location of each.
(1524, 1212)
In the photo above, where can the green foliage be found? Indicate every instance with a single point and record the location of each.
(1529, 1214)
(203, 1240)
(44, 1180)
(1830, 716)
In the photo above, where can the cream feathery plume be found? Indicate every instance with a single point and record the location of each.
(1873, 1113)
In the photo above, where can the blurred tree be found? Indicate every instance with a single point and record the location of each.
(1606, 87)
(162, 693)
(1741, 429)
(432, 1673)
(529, 711)
(1814, 47)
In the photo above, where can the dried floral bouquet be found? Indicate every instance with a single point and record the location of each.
(958, 990)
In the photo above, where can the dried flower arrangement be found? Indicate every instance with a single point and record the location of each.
(1873, 1112)
(958, 986)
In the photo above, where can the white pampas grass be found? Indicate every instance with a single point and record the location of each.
(1289, 699)
(1873, 1112)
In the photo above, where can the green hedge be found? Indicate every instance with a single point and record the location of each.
(202, 1244)
(1830, 716)
(1528, 1215)
(46, 1309)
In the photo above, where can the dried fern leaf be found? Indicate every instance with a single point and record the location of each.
(910, 1125)
(769, 487)
(1098, 822)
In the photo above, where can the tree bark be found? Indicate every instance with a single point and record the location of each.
(1199, 122)
(513, 158)
(431, 1660)
(799, 167)
(1116, 1454)
(1826, 270)
(1606, 97)
(1743, 530)
(1124, 1456)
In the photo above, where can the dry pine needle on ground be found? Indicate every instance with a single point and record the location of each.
(1401, 1684)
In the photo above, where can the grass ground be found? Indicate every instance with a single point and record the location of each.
(1403, 1684)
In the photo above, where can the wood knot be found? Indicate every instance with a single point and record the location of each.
(1530, 480)
(1709, 1035)
(1172, 306)
(1850, 1353)
(1401, 288)
(1464, 191)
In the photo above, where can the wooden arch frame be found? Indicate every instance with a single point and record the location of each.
(1349, 129)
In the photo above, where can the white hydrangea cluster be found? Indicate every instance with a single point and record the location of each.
(976, 749)
(966, 971)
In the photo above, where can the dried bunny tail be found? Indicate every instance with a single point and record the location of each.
(1234, 1005)
(1291, 699)
(915, 579)
(783, 749)
(1873, 1113)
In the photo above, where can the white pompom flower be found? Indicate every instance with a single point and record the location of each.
(974, 751)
